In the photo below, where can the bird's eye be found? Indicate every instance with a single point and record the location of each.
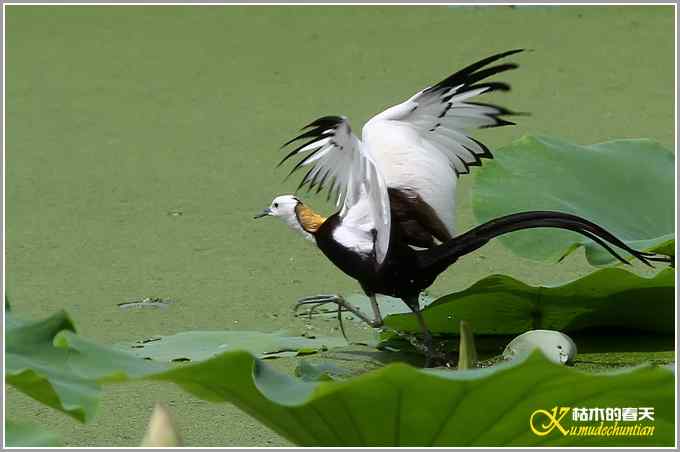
(276, 204)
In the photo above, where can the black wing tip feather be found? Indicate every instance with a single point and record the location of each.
(316, 130)
(295, 151)
(485, 154)
(474, 73)
(316, 133)
(500, 122)
(490, 59)
(490, 86)
(327, 122)
(319, 129)
(319, 126)
(502, 111)
(517, 113)
(472, 78)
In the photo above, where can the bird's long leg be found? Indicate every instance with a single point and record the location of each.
(427, 336)
(377, 317)
(343, 306)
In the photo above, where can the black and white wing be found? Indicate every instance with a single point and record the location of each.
(338, 161)
(423, 144)
(416, 148)
(441, 115)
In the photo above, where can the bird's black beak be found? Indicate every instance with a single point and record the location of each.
(264, 213)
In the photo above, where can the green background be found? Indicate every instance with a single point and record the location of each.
(119, 116)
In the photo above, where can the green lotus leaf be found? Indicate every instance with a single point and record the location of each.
(626, 186)
(394, 405)
(200, 345)
(399, 405)
(501, 305)
(41, 360)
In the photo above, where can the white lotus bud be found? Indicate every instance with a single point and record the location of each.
(161, 431)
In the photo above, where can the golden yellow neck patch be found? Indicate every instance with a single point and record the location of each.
(308, 219)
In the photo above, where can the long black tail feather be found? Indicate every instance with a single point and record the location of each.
(440, 257)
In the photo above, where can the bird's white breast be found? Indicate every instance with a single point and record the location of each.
(354, 239)
(355, 230)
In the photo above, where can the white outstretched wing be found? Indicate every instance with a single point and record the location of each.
(337, 160)
(440, 116)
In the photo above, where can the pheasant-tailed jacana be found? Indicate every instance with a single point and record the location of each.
(394, 232)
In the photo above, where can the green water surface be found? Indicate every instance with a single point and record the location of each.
(141, 140)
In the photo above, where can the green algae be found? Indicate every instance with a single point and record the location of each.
(118, 118)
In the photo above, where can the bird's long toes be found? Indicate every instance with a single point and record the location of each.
(319, 300)
(316, 301)
(314, 297)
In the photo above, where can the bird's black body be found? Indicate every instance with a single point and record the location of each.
(406, 271)
(401, 275)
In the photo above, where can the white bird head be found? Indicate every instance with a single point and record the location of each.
(282, 206)
(298, 217)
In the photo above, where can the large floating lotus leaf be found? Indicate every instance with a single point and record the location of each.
(200, 345)
(399, 405)
(609, 297)
(41, 361)
(29, 435)
(626, 186)
(395, 405)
